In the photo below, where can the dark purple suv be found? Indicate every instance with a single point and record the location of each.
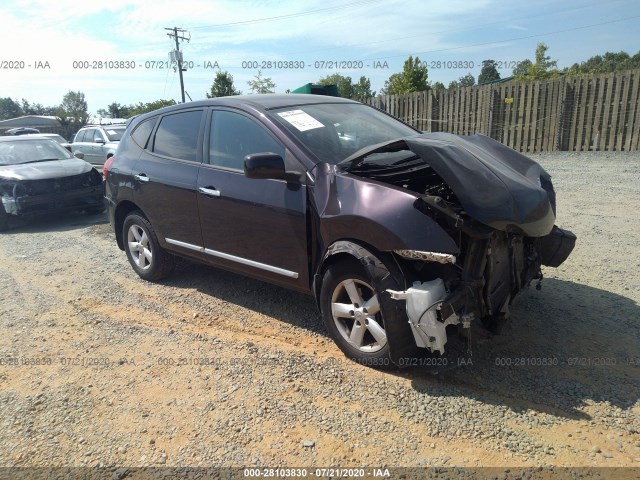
(399, 235)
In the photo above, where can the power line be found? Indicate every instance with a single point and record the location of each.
(475, 27)
(512, 39)
(496, 42)
(282, 17)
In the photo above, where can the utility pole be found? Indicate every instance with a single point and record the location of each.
(178, 34)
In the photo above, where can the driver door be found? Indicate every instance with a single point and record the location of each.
(254, 226)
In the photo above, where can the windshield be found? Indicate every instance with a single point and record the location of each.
(333, 131)
(114, 133)
(30, 151)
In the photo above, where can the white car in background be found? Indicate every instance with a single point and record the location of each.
(96, 143)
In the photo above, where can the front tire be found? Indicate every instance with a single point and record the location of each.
(149, 260)
(352, 313)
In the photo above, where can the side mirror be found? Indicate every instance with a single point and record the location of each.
(100, 140)
(79, 155)
(264, 166)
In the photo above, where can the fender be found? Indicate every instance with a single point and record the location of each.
(352, 207)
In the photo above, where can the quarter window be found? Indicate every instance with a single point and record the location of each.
(177, 135)
(233, 136)
(141, 133)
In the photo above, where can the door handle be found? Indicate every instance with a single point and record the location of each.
(209, 192)
(141, 177)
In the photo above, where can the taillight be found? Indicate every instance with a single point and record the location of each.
(107, 164)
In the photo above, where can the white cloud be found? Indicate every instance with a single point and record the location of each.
(65, 31)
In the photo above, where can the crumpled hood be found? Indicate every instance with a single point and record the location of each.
(43, 170)
(495, 185)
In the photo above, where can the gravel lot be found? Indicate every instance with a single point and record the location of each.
(213, 369)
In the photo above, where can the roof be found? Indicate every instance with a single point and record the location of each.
(265, 101)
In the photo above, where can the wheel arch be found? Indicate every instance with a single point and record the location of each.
(122, 210)
(386, 272)
(351, 248)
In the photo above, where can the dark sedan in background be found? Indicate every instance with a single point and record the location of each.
(37, 176)
(400, 236)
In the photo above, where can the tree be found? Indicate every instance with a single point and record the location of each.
(438, 86)
(37, 109)
(344, 84)
(261, 85)
(521, 68)
(608, 63)
(73, 109)
(412, 79)
(141, 108)
(362, 90)
(9, 109)
(467, 81)
(115, 110)
(542, 68)
(489, 72)
(347, 89)
(222, 86)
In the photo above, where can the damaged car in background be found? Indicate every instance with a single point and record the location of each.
(402, 237)
(38, 176)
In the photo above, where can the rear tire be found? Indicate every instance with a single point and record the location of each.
(149, 260)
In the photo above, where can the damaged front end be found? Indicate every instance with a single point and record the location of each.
(24, 197)
(499, 208)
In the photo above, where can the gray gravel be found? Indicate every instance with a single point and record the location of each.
(213, 369)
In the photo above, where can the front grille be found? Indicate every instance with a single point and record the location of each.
(64, 184)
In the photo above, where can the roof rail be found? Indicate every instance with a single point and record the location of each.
(106, 121)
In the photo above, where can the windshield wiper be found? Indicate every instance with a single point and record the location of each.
(358, 157)
(40, 160)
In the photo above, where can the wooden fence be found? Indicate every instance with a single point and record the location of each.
(590, 112)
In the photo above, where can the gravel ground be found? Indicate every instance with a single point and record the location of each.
(212, 369)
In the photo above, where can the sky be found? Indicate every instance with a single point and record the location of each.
(118, 50)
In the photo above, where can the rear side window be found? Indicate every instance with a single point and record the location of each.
(80, 136)
(141, 134)
(177, 135)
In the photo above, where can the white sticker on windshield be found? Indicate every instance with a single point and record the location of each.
(112, 132)
(301, 120)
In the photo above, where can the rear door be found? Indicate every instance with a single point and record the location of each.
(254, 226)
(165, 178)
(82, 144)
(97, 147)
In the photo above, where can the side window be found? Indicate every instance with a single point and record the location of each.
(97, 135)
(233, 136)
(177, 135)
(79, 136)
(88, 135)
(141, 134)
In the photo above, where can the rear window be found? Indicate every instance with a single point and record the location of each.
(177, 135)
(114, 133)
